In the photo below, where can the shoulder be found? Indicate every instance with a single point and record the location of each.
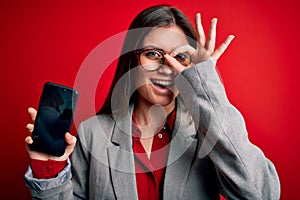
(102, 120)
(96, 128)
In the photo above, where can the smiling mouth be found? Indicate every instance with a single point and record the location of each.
(162, 83)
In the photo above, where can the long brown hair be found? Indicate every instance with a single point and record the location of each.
(155, 16)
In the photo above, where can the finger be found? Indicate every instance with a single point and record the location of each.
(210, 45)
(30, 127)
(173, 63)
(200, 32)
(183, 49)
(28, 140)
(220, 50)
(32, 112)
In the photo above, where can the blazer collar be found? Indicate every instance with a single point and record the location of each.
(123, 127)
(123, 130)
(182, 149)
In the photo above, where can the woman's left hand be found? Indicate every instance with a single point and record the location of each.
(205, 48)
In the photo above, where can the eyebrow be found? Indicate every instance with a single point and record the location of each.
(151, 47)
(155, 48)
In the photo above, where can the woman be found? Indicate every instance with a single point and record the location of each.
(166, 130)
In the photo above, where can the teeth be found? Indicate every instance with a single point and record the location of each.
(163, 82)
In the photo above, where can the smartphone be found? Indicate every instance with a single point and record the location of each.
(54, 118)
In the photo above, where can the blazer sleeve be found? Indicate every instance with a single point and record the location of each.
(243, 170)
(59, 187)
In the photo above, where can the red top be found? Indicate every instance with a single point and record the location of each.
(150, 172)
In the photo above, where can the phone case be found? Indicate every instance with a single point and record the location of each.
(54, 118)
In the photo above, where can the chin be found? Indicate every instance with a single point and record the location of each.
(164, 101)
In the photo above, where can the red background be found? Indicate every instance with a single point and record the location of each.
(48, 40)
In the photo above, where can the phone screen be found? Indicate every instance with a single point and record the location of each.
(54, 118)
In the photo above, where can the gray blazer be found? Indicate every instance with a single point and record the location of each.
(209, 153)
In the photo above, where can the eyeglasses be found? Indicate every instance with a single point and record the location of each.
(151, 59)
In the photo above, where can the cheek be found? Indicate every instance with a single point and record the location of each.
(142, 83)
(141, 78)
(143, 91)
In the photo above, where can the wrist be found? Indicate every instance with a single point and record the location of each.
(43, 169)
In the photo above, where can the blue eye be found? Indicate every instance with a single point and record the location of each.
(181, 57)
(153, 55)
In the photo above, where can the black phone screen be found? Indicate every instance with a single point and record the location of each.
(54, 118)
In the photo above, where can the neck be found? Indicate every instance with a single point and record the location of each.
(151, 118)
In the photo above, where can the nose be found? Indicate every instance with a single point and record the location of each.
(166, 69)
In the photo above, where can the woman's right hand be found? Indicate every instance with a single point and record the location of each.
(70, 140)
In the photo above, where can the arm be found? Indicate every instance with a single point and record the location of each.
(242, 169)
(66, 185)
(59, 187)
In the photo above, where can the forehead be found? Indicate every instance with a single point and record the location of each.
(167, 38)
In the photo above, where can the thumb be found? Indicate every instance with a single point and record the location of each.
(70, 139)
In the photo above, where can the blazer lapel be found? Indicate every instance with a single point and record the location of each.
(121, 159)
(182, 151)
